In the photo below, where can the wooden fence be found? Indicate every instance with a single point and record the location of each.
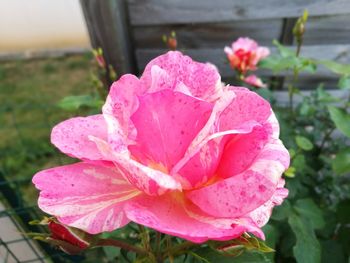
(130, 31)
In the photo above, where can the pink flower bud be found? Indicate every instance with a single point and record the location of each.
(253, 80)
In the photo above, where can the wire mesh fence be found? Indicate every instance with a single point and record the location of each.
(29, 92)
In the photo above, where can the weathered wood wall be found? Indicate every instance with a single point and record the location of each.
(204, 27)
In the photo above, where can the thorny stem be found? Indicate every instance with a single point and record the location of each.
(121, 244)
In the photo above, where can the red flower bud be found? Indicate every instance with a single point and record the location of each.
(69, 239)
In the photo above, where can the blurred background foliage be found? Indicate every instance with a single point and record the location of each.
(312, 225)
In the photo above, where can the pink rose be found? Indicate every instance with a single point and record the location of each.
(253, 80)
(245, 54)
(174, 150)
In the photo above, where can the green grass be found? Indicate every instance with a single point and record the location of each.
(29, 92)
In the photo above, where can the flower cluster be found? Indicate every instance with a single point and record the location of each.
(174, 150)
(244, 55)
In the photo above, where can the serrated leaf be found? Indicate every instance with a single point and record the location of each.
(341, 163)
(310, 210)
(307, 248)
(304, 143)
(341, 119)
(284, 51)
(324, 96)
(335, 67)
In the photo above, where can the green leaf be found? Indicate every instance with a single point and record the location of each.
(324, 96)
(304, 143)
(307, 248)
(247, 257)
(72, 103)
(343, 212)
(344, 82)
(341, 119)
(290, 172)
(111, 252)
(281, 212)
(284, 51)
(237, 246)
(310, 210)
(341, 163)
(272, 234)
(335, 67)
(332, 251)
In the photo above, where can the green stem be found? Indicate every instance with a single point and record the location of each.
(326, 138)
(179, 249)
(121, 244)
(295, 79)
(144, 238)
(169, 248)
(157, 247)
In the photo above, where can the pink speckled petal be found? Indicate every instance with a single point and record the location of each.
(174, 216)
(241, 150)
(72, 137)
(203, 80)
(85, 195)
(166, 123)
(247, 106)
(145, 178)
(273, 126)
(231, 115)
(262, 214)
(244, 192)
(121, 103)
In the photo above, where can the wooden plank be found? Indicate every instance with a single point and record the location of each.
(340, 53)
(107, 24)
(283, 100)
(208, 35)
(156, 12)
(328, 30)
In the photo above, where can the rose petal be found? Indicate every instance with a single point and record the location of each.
(262, 214)
(237, 111)
(172, 215)
(146, 179)
(166, 123)
(72, 136)
(85, 195)
(244, 43)
(272, 122)
(244, 192)
(241, 150)
(203, 80)
(247, 106)
(121, 103)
